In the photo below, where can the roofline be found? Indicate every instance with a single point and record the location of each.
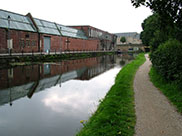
(12, 12)
(80, 25)
(70, 27)
(92, 27)
(44, 20)
(29, 15)
(19, 30)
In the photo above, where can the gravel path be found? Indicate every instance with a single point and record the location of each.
(155, 115)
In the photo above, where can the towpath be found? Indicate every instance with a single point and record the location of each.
(155, 115)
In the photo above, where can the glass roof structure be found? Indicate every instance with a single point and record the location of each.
(18, 22)
(71, 32)
(24, 23)
(47, 27)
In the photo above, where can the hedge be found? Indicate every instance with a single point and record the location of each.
(167, 60)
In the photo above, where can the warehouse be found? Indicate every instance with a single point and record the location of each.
(107, 41)
(19, 30)
(19, 33)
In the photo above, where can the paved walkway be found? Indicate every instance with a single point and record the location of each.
(155, 115)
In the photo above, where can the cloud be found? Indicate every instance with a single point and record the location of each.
(79, 98)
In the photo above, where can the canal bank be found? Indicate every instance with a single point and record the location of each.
(29, 58)
(116, 113)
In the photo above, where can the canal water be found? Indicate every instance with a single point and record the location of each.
(51, 99)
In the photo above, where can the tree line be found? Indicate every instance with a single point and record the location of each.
(162, 31)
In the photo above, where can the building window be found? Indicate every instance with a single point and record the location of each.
(33, 43)
(21, 43)
(27, 36)
(27, 43)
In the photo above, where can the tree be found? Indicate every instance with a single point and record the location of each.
(123, 39)
(165, 8)
(152, 34)
(169, 18)
(169, 11)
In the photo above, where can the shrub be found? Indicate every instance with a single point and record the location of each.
(167, 60)
(123, 39)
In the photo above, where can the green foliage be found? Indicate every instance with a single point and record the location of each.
(123, 39)
(152, 34)
(171, 90)
(170, 14)
(165, 24)
(115, 115)
(167, 60)
(168, 9)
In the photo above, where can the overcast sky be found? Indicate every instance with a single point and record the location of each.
(114, 16)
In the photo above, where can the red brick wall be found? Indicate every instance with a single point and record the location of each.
(78, 44)
(26, 41)
(3, 37)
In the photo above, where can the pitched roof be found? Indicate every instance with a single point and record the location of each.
(46, 27)
(17, 21)
(71, 32)
(24, 23)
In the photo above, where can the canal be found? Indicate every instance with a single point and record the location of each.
(51, 99)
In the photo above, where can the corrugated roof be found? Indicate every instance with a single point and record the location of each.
(18, 22)
(21, 22)
(46, 27)
(71, 32)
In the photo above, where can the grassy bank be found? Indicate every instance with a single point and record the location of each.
(171, 90)
(115, 115)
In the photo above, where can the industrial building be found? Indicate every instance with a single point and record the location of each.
(24, 33)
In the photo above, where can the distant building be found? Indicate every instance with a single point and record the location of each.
(133, 42)
(131, 38)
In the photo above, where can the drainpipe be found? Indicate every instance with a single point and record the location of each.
(9, 43)
(39, 42)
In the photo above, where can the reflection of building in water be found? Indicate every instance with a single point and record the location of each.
(100, 68)
(26, 80)
(125, 58)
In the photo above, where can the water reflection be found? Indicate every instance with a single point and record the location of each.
(76, 97)
(61, 95)
(26, 80)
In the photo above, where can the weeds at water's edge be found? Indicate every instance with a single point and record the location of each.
(171, 90)
(115, 115)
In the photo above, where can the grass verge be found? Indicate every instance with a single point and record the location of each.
(115, 115)
(171, 90)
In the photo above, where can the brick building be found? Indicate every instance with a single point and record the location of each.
(106, 41)
(19, 33)
(18, 28)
